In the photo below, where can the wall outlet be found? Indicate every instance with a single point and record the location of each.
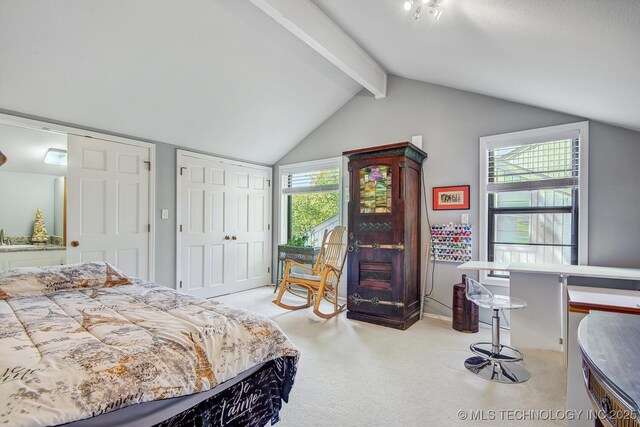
(464, 218)
(164, 214)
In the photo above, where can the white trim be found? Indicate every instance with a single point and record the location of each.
(311, 189)
(532, 136)
(344, 196)
(310, 165)
(220, 159)
(186, 153)
(66, 130)
(332, 162)
(438, 317)
(583, 193)
(178, 254)
(44, 126)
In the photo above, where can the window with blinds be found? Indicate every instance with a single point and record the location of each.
(536, 166)
(317, 181)
(310, 200)
(532, 183)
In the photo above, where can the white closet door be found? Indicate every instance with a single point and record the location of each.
(108, 204)
(251, 246)
(224, 237)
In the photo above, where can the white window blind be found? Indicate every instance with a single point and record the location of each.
(534, 166)
(322, 180)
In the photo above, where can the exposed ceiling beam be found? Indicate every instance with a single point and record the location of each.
(312, 26)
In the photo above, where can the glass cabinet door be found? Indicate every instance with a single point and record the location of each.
(375, 189)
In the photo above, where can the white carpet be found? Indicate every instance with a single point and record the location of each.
(358, 374)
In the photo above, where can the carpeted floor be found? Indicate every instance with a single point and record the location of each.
(357, 374)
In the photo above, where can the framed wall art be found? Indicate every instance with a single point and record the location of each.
(451, 198)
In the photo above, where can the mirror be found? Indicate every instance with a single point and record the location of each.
(28, 183)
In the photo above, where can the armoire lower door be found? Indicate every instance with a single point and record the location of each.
(224, 233)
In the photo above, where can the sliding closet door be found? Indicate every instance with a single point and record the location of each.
(224, 209)
(108, 216)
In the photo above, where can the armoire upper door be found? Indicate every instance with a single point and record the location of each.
(224, 236)
(108, 216)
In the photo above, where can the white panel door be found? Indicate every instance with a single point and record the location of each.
(251, 260)
(223, 219)
(108, 204)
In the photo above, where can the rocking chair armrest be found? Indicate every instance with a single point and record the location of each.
(331, 268)
(290, 263)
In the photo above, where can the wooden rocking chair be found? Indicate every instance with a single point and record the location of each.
(320, 281)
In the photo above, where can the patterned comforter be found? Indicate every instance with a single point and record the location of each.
(84, 341)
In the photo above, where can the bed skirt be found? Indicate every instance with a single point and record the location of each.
(253, 401)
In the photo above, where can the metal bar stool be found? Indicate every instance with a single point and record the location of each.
(495, 361)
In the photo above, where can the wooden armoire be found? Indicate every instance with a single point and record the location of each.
(383, 284)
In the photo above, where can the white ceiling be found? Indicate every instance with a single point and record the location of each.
(214, 75)
(25, 150)
(223, 77)
(576, 56)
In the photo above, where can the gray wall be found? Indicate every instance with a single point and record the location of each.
(20, 195)
(614, 196)
(166, 228)
(451, 122)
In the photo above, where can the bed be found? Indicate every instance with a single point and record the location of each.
(86, 345)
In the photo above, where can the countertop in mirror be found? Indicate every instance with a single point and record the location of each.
(30, 248)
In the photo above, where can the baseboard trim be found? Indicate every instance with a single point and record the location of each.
(439, 317)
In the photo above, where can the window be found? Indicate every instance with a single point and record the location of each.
(310, 201)
(534, 196)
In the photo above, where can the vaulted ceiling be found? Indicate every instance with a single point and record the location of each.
(580, 57)
(225, 77)
(214, 75)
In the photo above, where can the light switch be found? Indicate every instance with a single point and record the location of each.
(464, 218)
(164, 214)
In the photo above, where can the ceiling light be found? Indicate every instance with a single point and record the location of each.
(56, 156)
(433, 6)
(3, 158)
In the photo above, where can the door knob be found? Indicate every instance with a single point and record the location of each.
(234, 238)
(227, 237)
(75, 243)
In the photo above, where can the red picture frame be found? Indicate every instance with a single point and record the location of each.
(451, 198)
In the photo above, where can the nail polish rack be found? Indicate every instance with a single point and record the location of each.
(451, 242)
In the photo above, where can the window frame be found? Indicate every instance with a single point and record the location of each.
(301, 167)
(526, 137)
